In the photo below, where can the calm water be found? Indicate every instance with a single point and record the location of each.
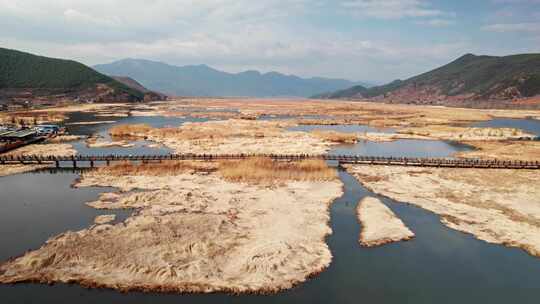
(141, 146)
(439, 266)
(398, 148)
(36, 206)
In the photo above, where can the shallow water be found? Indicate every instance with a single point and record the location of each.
(36, 206)
(439, 266)
(101, 130)
(397, 148)
(402, 148)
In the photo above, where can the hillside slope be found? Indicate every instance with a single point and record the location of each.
(27, 76)
(469, 80)
(132, 83)
(202, 80)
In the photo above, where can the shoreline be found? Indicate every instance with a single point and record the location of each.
(380, 225)
(503, 221)
(145, 216)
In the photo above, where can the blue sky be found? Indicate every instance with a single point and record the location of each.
(366, 40)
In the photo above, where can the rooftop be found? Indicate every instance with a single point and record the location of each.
(18, 134)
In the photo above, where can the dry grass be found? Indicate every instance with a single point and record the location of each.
(337, 137)
(129, 130)
(188, 134)
(252, 170)
(256, 170)
(166, 168)
(143, 130)
(31, 118)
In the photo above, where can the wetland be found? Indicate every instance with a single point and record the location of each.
(320, 262)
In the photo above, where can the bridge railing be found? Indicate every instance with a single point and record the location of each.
(342, 159)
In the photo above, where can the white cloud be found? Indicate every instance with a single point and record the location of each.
(527, 27)
(516, 1)
(76, 16)
(305, 37)
(268, 48)
(436, 22)
(392, 9)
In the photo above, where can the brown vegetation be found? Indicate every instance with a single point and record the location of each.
(463, 133)
(336, 137)
(129, 130)
(31, 118)
(64, 138)
(252, 170)
(228, 137)
(375, 114)
(190, 134)
(255, 170)
(380, 225)
(496, 205)
(44, 149)
(192, 232)
(165, 168)
(6, 170)
(503, 150)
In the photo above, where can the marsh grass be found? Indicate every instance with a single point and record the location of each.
(260, 169)
(189, 134)
(165, 168)
(337, 137)
(251, 170)
(129, 130)
(31, 118)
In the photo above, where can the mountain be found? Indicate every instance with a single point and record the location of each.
(202, 80)
(25, 76)
(470, 80)
(132, 83)
(357, 90)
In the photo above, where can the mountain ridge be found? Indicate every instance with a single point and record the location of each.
(467, 81)
(148, 94)
(203, 80)
(25, 76)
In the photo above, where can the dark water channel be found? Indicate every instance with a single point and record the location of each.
(439, 266)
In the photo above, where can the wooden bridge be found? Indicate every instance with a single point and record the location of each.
(92, 161)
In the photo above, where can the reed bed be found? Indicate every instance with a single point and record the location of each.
(166, 168)
(189, 134)
(337, 137)
(31, 118)
(252, 170)
(130, 130)
(260, 169)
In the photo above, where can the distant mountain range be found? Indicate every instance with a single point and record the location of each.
(202, 80)
(475, 81)
(25, 76)
(468, 81)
